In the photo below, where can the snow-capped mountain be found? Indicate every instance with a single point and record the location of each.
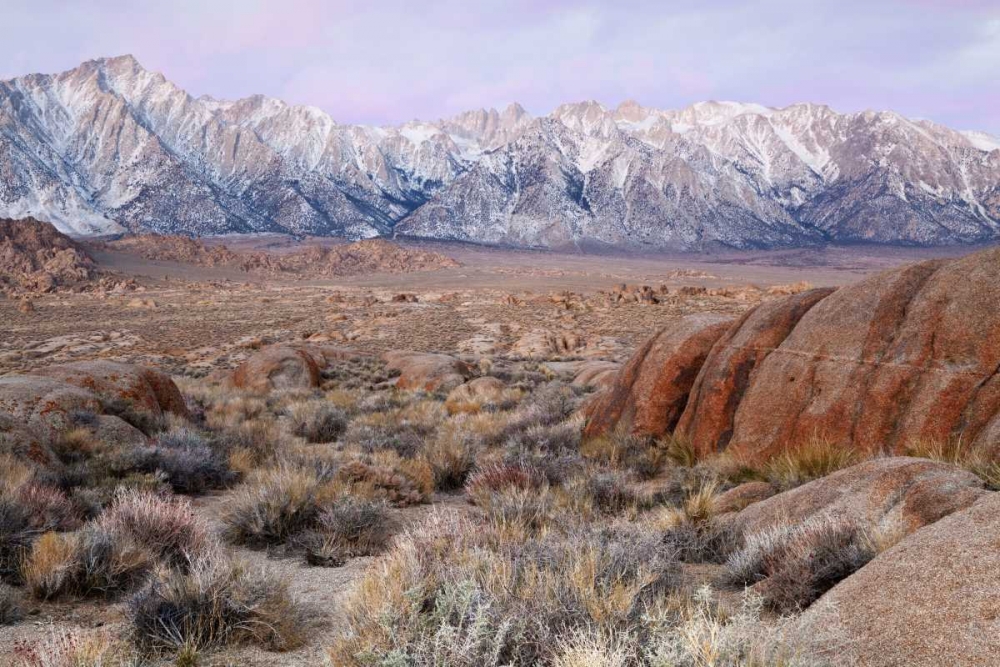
(110, 146)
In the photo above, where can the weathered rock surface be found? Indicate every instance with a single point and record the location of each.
(596, 374)
(35, 257)
(651, 390)
(910, 354)
(138, 387)
(278, 367)
(729, 369)
(427, 371)
(44, 405)
(930, 600)
(742, 496)
(902, 492)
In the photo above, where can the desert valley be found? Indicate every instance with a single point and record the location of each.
(264, 451)
(392, 334)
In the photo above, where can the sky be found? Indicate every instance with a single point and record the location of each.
(386, 62)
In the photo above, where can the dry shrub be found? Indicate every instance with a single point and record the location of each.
(459, 593)
(692, 529)
(114, 553)
(167, 527)
(498, 476)
(350, 527)
(274, 505)
(218, 602)
(797, 564)
(451, 456)
(48, 507)
(317, 421)
(53, 565)
(387, 479)
(16, 536)
(625, 451)
(190, 463)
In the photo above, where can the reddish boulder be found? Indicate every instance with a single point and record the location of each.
(909, 354)
(651, 390)
(42, 405)
(141, 388)
(707, 421)
(426, 371)
(908, 492)
(930, 600)
(278, 367)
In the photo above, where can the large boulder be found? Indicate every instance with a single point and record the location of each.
(908, 355)
(729, 369)
(287, 366)
(116, 384)
(45, 406)
(902, 492)
(277, 367)
(930, 600)
(649, 393)
(425, 371)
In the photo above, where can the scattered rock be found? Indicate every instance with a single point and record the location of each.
(35, 257)
(26, 306)
(651, 390)
(540, 344)
(426, 371)
(930, 600)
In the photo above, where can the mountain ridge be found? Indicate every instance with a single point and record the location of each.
(109, 146)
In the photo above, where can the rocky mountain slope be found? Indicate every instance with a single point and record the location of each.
(36, 257)
(110, 146)
(361, 257)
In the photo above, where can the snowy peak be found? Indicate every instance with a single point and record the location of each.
(109, 146)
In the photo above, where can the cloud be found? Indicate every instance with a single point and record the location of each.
(391, 61)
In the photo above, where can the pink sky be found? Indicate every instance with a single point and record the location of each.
(387, 62)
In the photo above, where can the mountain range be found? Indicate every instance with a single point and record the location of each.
(110, 147)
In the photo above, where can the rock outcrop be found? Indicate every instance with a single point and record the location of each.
(651, 390)
(35, 257)
(44, 405)
(136, 387)
(426, 371)
(930, 600)
(898, 492)
(728, 370)
(911, 354)
(277, 367)
(908, 356)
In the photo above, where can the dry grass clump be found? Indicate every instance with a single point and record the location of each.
(456, 592)
(350, 527)
(217, 602)
(498, 476)
(299, 508)
(794, 565)
(114, 553)
(317, 420)
(956, 452)
(813, 459)
(625, 451)
(276, 504)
